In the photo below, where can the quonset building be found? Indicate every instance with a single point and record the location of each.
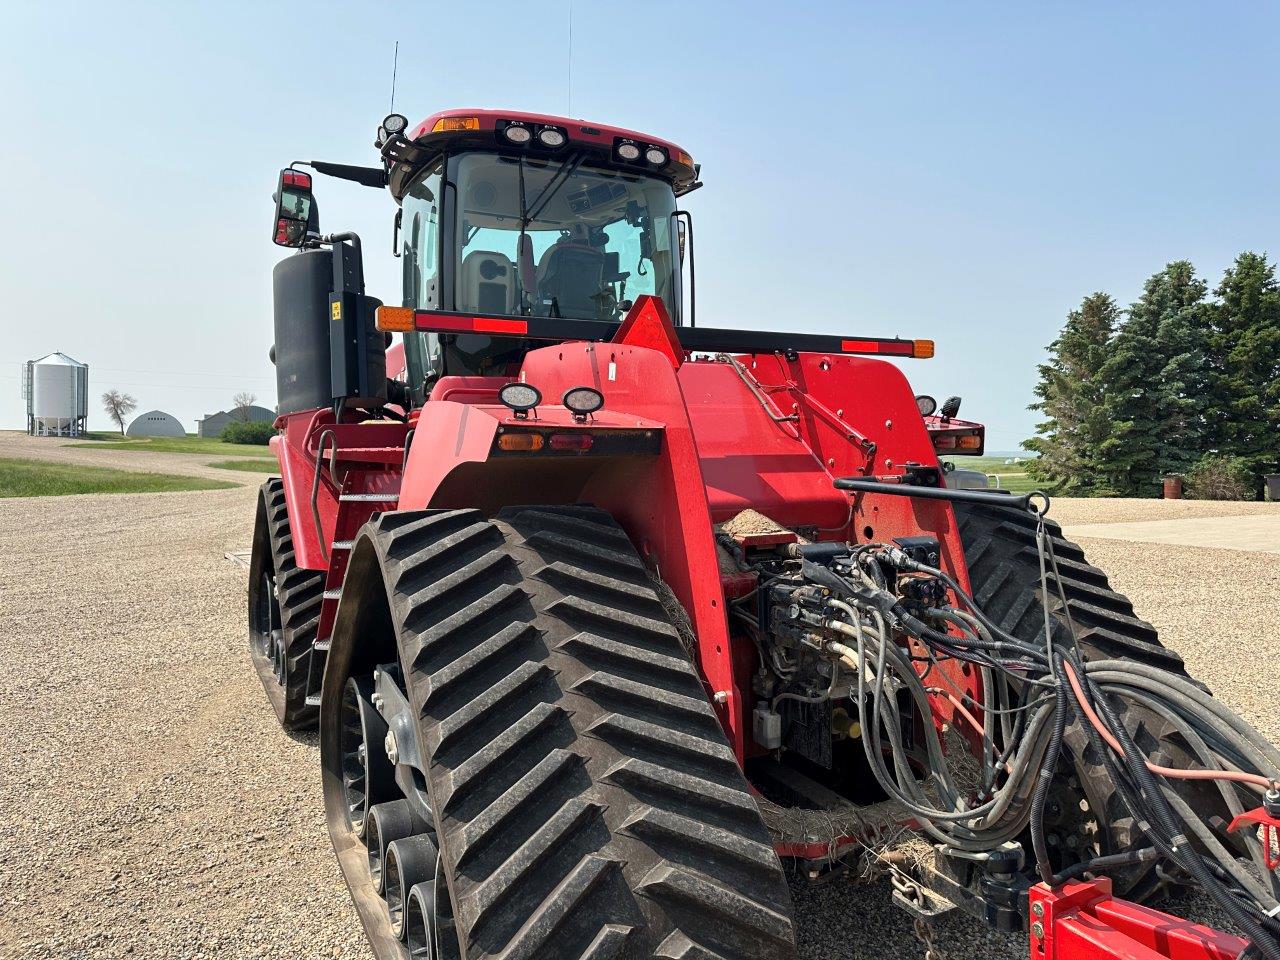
(156, 423)
(213, 424)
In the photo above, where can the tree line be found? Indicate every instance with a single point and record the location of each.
(1183, 382)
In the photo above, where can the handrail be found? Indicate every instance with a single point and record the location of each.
(325, 437)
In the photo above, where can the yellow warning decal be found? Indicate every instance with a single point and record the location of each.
(335, 308)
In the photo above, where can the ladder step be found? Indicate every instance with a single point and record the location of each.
(333, 594)
(313, 700)
(343, 544)
(322, 645)
(369, 497)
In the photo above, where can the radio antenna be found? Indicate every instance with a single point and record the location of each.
(569, 109)
(395, 61)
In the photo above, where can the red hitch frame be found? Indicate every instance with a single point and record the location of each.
(1083, 921)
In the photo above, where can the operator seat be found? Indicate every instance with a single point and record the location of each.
(572, 274)
(488, 283)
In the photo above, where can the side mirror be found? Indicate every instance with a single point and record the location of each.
(294, 208)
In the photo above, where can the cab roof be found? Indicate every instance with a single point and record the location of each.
(477, 128)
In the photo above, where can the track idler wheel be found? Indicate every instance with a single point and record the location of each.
(368, 776)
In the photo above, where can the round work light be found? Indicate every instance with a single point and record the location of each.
(519, 398)
(395, 123)
(656, 156)
(581, 401)
(551, 137)
(926, 405)
(518, 133)
(628, 151)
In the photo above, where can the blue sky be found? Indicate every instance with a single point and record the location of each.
(965, 172)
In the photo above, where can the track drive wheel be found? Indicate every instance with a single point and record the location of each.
(563, 788)
(1085, 816)
(284, 611)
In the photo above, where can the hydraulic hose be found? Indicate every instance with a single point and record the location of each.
(1048, 768)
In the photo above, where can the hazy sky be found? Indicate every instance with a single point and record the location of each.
(961, 171)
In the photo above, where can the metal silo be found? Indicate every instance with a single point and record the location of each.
(56, 389)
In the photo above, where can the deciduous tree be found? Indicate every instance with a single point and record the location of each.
(241, 404)
(118, 406)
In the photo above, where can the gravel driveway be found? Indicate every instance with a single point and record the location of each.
(152, 808)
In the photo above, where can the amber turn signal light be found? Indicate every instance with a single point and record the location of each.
(922, 349)
(453, 124)
(528, 442)
(394, 319)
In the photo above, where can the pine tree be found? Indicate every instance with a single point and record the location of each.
(1155, 385)
(1246, 364)
(1176, 298)
(1070, 397)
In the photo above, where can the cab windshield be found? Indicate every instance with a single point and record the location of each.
(560, 238)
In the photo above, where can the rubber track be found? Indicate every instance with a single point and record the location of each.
(301, 594)
(1004, 572)
(587, 801)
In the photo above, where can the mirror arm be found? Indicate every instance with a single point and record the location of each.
(365, 176)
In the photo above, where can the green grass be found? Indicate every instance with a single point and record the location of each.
(248, 466)
(1013, 476)
(991, 465)
(1019, 484)
(193, 445)
(40, 478)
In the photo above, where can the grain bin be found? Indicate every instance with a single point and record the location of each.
(56, 389)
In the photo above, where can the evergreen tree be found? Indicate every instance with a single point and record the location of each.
(1155, 385)
(1176, 298)
(1246, 364)
(1070, 397)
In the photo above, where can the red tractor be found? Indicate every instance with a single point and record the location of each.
(606, 616)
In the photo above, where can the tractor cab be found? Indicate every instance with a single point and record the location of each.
(508, 215)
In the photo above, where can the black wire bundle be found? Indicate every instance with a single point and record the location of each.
(1031, 694)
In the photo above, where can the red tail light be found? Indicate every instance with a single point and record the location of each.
(571, 441)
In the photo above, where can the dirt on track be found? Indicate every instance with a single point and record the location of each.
(152, 807)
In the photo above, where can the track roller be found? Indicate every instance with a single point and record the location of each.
(408, 862)
(429, 932)
(387, 823)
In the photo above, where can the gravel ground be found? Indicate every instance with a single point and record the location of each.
(1122, 510)
(152, 808)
